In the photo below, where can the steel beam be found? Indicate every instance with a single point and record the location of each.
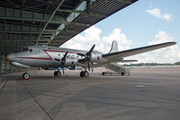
(70, 23)
(1, 63)
(62, 36)
(6, 62)
(14, 14)
(13, 40)
(49, 20)
(125, 1)
(83, 12)
(25, 40)
(26, 19)
(23, 32)
(4, 45)
(68, 31)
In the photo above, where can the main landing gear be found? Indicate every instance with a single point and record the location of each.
(57, 73)
(84, 74)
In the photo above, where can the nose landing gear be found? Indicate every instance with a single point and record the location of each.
(26, 76)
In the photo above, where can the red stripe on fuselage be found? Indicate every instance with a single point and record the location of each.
(36, 58)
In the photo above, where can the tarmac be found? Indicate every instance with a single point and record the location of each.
(147, 94)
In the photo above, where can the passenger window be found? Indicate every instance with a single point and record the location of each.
(30, 50)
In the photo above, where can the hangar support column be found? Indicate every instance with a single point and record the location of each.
(1, 63)
(6, 65)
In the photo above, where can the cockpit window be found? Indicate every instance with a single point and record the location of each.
(30, 50)
(25, 49)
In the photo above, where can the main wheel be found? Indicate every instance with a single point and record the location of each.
(103, 73)
(81, 74)
(86, 74)
(55, 73)
(26, 76)
(122, 73)
(58, 73)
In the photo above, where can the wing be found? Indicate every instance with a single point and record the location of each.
(126, 53)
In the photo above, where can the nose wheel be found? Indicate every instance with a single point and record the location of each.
(84, 74)
(26, 76)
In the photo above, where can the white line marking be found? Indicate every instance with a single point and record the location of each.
(2, 83)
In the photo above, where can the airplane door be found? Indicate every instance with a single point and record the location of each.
(39, 55)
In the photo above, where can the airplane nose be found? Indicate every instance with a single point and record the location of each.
(10, 57)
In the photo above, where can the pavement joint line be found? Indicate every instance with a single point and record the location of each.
(3, 82)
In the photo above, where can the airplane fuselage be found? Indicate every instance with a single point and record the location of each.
(44, 56)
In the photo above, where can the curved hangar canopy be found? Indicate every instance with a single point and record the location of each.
(50, 22)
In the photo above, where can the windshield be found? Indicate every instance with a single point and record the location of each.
(25, 49)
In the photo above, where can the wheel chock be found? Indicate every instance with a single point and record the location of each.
(28, 79)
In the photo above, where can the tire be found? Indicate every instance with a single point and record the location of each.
(55, 73)
(26, 76)
(122, 73)
(81, 74)
(58, 73)
(86, 74)
(103, 73)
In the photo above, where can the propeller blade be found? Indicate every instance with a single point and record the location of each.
(65, 55)
(80, 54)
(88, 66)
(57, 59)
(63, 60)
(91, 49)
(87, 56)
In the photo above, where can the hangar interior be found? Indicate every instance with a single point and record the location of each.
(48, 22)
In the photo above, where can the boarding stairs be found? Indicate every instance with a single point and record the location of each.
(117, 68)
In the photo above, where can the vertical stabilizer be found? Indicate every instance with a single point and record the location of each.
(114, 47)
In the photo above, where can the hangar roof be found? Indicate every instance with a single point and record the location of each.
(50, 22)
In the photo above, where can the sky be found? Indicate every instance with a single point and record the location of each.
(143, 23)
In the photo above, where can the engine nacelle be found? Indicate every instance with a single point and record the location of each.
(95, 57)
(70, 62)
(21, 65)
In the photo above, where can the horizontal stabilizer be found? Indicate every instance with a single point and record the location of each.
(128, 60)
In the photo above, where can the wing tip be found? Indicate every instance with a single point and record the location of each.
(172, 43)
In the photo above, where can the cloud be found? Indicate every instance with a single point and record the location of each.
(167, 17)
(150, 6)
(90, 36)
(156, 12)
(161, 37)
(164, 55)
(121, 38)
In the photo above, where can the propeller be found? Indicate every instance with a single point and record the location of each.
(87, 55)
(63, 60)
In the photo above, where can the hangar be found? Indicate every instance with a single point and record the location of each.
(48, 22)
